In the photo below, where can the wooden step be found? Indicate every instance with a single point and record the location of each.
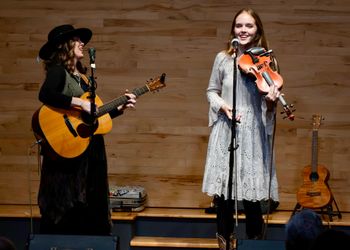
(176, 242)
(277, 217)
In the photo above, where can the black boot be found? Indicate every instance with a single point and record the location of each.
(254, 220)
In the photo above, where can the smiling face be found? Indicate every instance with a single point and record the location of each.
(78, 48)
(245, 29)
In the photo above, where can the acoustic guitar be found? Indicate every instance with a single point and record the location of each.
(67, 132)
(315, 192)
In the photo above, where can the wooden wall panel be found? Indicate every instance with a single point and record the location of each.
(162, 144)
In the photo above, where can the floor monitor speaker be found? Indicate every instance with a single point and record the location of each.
(71, 242)
(260, 244)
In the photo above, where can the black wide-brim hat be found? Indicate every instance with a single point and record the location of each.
(62, 34)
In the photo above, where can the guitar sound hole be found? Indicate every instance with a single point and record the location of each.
(314, 176)
(86, 130)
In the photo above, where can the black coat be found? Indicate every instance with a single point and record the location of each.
(73, 193)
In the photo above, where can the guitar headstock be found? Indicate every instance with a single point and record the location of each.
(157, 83)
(316, 121)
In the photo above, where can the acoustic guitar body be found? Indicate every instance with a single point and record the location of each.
(65, 131)
(314, 193)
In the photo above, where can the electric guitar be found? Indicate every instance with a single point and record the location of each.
(67, 132)
(315, 192)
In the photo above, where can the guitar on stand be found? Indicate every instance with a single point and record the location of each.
(315, 192)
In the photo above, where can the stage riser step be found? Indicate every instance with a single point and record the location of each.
(187, 228)
(173, 242)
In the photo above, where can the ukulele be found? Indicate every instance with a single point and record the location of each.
(315, 192)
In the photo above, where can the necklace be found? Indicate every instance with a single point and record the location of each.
(77, 77)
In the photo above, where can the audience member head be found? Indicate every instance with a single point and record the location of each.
(302, 229)
(331, 239)
(6, 244)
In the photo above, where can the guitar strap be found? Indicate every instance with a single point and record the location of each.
(86, 80)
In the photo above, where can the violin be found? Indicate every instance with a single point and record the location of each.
(256, 61)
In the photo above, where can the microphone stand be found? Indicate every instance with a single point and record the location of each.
(232, 148)
(92, 89)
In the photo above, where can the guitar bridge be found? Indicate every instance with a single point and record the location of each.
(313, 194)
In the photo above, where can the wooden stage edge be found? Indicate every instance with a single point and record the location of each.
(276, 217)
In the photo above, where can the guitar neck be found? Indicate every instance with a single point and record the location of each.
(108, 107)
(314, 157)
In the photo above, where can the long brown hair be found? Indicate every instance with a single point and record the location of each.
(64, 55)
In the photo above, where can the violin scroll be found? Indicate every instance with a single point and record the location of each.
(288, 111)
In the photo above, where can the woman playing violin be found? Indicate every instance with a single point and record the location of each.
(255, 117)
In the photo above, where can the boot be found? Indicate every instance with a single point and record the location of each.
(222, 242)
(233, 242)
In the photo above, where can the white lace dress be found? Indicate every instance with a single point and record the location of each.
(254, 136)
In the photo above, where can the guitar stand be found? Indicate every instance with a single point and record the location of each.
(328, 209)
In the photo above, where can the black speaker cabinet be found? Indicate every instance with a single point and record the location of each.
(260, 244)
(71, 242)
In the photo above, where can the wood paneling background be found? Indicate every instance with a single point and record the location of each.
(162, 144)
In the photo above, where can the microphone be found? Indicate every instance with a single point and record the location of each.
(92, 57)
(235, 43)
